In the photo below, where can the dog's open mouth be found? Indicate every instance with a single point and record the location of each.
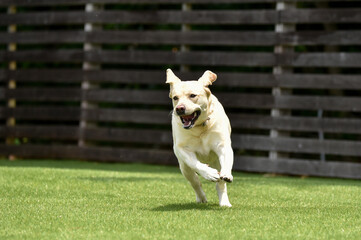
(189, 120)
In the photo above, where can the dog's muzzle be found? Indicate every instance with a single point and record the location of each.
(189, 120)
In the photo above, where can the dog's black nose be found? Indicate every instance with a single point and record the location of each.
(180, 109)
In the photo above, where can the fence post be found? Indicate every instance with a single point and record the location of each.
(277, 70)
(11, 103)
(185, 28)
(86, 84)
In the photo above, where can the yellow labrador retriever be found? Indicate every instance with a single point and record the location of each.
(201, 134)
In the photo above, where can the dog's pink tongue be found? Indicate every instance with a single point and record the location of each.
(188, 120)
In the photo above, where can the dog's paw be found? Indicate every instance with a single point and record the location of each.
(210, 174)
(226, 177)
(225, 204)
(201, 199)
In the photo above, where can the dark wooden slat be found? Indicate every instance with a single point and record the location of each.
(234, 100)
(128, 96)
(265, 101)
(338, 37)
(127, 115)
(44, 132)
(149, 17)
(321, 16)
(192, 58)
(143, 57)
(298, 81)
(226, 38)
(318, 81)
(81, 2)
(44, 94)
(49, 75)
(192, 17)
(297, 145)
(298, 167)
(128, 135)
(328, 125)
(321, 59)
(295, 81)
(54, 113)
(316, 103)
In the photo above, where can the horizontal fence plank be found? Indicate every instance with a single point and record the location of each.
(267, 101)
(44, 94)
(226, 38)
(297, 145)
(145, 17)
(197, 58)
(106, 154)
(323, 59)
(44, 132)
(318, 102)
(142, 57)
(128, 135)
(53, 113)
(128, 96)
(310, 124)
(341, 15)
(204, 38)
(257, 80)
(160, 97)
(336, 37)
(127, 115)
(298, 167)
(81, 2)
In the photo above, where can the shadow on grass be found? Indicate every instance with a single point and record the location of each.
(187, 206)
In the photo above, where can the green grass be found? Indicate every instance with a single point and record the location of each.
(81, 200)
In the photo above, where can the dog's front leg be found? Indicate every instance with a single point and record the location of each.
(225, 155)
(189, 158)
(193, 179)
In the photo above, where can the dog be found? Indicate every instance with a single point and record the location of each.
(201, 134)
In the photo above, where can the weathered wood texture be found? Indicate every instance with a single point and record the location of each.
(79, 2)
(137, 40)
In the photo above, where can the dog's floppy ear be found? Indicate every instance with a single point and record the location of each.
(171, 79)
(207, 78)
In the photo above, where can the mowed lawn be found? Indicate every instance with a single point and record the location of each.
(82, 200)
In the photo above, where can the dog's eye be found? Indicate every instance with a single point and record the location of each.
(175, 98)
(192, 96)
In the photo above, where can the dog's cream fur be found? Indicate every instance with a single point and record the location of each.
(202, 146)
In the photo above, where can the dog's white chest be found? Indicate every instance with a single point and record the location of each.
(202, 145)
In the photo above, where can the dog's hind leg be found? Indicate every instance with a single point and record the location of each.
(222, 194)
(193, 179)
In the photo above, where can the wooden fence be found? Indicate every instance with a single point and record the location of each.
(84, 79)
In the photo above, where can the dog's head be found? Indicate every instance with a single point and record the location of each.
(191, 99)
